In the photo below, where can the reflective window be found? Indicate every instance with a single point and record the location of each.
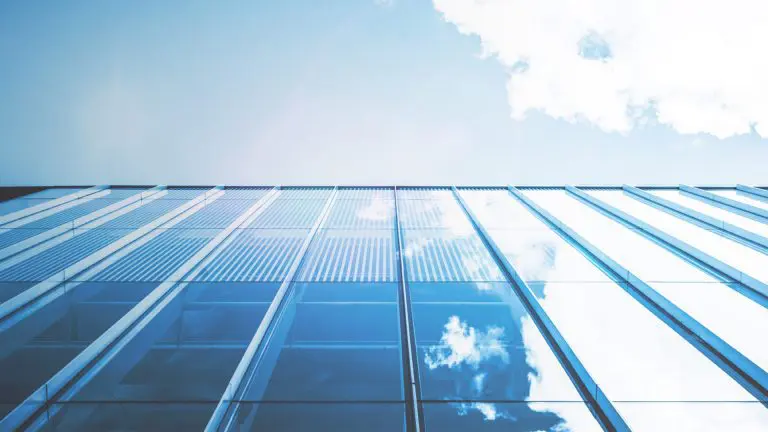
(332, 347)
(712, 210)
(186, 352)
(742, 197)
(724, 249)
(72, 316)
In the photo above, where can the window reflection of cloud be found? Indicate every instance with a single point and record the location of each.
(461, 344)
(377, 210)
(639, 359)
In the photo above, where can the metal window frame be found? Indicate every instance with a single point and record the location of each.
(72, 377)
(736, 365)
(48, 205)
(753, 288)
(725, 229)
(756, 213)
(47, 239)
(227, 408)
(602, 408)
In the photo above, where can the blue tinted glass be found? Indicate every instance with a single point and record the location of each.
(482, 346)
(346, 292)
(35, 347)
(519, 417)
(374, 323)
(186, 352)
(134, 416)
(337, 347)
(384, 417)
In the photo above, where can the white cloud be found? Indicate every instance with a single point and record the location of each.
(462, 344)
(700, 65)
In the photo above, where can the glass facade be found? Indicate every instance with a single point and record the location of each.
(325, 308)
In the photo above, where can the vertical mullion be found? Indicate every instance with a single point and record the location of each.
(605, 413)
(414, 414)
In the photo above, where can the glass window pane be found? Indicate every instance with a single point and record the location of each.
(255, 255)
(285, 213)
(343, 350)
(187, 352)
(350, 256)
(516, 416)
(713, 211)
(366, 194)
(446, 256)
(483, 350)
(631, 354)
(696, 417)
(382, 417)
(362, 214)
(497, 209)
(157, 259)
(724, 249)
(647, 260)
(74, 315)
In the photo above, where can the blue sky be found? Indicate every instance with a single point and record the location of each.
(296, 92)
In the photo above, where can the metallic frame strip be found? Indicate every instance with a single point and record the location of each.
(762, 193)
(757, 290)
(75, 375)
(23, 213)
(226, 411)
(739, 367)
(414, 413)
(726, 229)
(750, 209)
(45, 240)
(602, 409)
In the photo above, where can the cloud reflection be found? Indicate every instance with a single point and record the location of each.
(461, 344)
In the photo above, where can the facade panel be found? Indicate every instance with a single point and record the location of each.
(382, 308)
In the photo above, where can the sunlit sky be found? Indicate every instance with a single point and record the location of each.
(380, 92)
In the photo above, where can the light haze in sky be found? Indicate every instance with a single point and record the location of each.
(383, 92)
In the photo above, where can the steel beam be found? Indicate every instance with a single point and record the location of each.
(227, 408)
(740, 368)
(756, 289)
(47, 239)
(746, 208)
(100, 259)
(42, 404)
(48, 205)
(761, 193)
(411, 372)
(721, 227)
(602, 409)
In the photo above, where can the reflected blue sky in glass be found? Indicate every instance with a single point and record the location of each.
(32, 350)
(384, 417)
(708, 208)
(333, 342)
(187, 352)
(478, 346)
(522, 417)
(735, 254)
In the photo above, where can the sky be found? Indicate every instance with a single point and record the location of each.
(366, 92)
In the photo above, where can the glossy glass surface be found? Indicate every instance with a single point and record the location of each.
(714, 211)
(74, 315)
(648, 261)
(287, 417)
(478, 346)
(735, 254)
(335, 355)
(186, 353)
(509, 416)
(333, 345)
